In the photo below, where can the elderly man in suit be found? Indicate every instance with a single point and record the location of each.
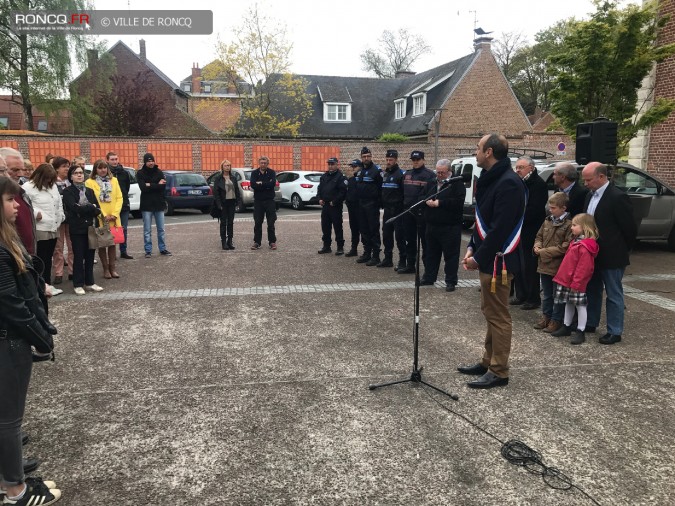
(565, 177)
(613, 214)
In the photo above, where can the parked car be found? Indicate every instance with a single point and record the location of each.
(134, 190)
(187, 190)
(298, 187)
(243, 178)
(659, 222)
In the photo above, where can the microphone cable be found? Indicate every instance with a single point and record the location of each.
(518, 453)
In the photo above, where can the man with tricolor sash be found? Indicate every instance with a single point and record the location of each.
(493, 251)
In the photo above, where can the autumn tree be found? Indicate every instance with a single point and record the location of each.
(35, 67)
(257, 62)
(600, 65)
(396, 52)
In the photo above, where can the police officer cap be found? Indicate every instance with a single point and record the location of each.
(356, 163)
(333, 160)
(392, 153)
(417, 154)
(365, 150)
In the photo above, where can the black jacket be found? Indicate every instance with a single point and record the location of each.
(79, 217)
(219, 189)
(352, 197)
(332, 188)
(152, 196)
(23, 315)
(617, 228)
(124, 180)
(369, 184)
(392, 187)
(415, 185)
(535, 210)
(451, 204)
(268, 181)
(577, 196)
(500, 198)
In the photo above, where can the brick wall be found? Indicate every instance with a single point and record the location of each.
(216, 114)
(38, 150)
(660, 160)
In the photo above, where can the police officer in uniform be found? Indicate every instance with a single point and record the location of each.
(415, 183)
(392, 201)
(368, 189)
(352, 201)
(332, 192)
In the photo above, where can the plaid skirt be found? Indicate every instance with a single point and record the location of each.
(564, 294)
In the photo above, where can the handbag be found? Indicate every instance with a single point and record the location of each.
(100, 237)
(117, 233)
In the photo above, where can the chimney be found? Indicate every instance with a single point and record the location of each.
(92, 58)
(400, 74)
(142, 52)
(482, 43)
(196, 78)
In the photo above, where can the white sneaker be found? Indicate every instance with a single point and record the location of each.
(56, 291)
(94, 288)
(79, 290)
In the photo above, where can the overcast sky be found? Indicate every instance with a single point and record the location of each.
(328, 37)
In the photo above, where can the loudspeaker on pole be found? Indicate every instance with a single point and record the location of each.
(597, 142)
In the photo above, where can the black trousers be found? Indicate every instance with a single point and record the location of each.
(264, 209)
(412, 227)
(331, 219)
(443, 240)
(369, 223)
(227, 219)
(353, 212)
(45, 252)
(16, 362)
(527, 284)
(393, 230)
(83, 259)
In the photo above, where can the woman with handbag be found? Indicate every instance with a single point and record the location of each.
(110, 199)
(81, 209)
(23, 323)
(226, 195)
(48, 211)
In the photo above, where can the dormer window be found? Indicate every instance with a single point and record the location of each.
(419, 104)
(207, 88)
(187, 87)
(333, 112)
(399, 108)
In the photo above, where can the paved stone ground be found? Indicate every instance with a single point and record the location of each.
(241, 377)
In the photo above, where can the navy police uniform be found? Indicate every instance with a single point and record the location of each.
(352, 201)
(332, 191)
(368, 189)
(392, 202)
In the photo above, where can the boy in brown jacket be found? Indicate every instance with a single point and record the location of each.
(550, 246)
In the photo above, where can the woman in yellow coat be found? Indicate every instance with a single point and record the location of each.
(109, 196)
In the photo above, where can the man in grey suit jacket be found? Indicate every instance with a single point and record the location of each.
(613, 214)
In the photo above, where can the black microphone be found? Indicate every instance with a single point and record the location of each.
(463, 177)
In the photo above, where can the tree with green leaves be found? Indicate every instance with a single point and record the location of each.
(397, 52)
(600, 65)
(35, 67)
(257, 61)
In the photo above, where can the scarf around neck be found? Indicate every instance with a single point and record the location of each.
(106, 188)
(83, 196)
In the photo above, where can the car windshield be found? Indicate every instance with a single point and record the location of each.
(190, 180)
(247, 175)
(314, 178)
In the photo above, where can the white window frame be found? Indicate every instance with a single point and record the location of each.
(326, 111)
(419, 108)
(207, 87)
(42, 125)
(400, 107)
(187, 87)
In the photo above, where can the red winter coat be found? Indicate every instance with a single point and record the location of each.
(576, 268)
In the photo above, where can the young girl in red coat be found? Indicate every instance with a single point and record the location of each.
(573, 275)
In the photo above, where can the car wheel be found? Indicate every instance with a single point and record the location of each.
(136, 214)
(466, 224)
(168, 208)
(671, 240)
(296, 202)
(239, 207)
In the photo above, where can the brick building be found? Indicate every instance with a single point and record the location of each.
(12, 117)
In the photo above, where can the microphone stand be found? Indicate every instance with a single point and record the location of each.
(416, 375)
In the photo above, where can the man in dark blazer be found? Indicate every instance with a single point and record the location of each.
(565, 177)
(613, 214)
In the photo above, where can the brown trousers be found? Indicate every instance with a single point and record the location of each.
(495, 307)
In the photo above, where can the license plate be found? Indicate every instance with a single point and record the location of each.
(194, 192)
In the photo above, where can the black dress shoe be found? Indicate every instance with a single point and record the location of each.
(406, 270)
(126, 256)
(529, 305)
(363, 259)
(339, 252)
(324, 250)
(488, 380)
(351, 253)
(476, 369)
(513, 301)
(30, 465)
(589, 329)
(449, 287)
(426, 282)
(609, 339)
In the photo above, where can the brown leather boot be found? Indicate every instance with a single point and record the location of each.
(543, 323)
(552, 326)
(103, 256)
(111, 262)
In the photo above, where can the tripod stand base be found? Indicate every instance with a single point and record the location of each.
(415, 377)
